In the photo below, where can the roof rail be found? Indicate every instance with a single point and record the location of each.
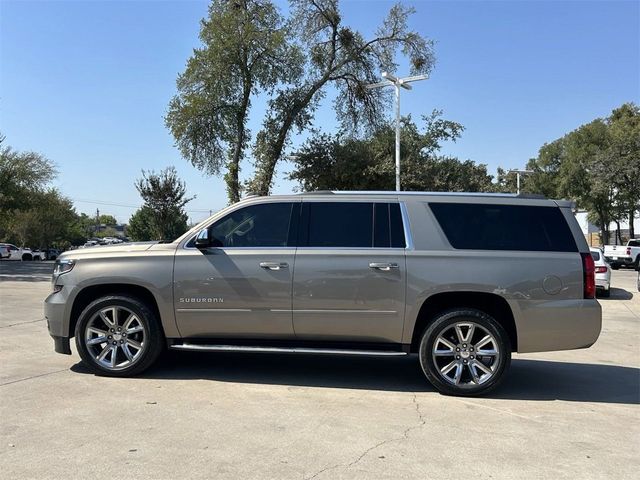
(317, 192)
(537, 196)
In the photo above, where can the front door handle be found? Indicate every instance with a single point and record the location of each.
(274, 265)
(385, 267)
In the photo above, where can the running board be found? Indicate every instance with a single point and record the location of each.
(255, 349)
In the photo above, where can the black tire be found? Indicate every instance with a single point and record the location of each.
(26, 257)
(446, 321)
(152, 346)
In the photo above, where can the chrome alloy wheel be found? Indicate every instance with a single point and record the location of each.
(466, 354)
(115, 337)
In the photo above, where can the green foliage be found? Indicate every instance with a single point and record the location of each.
(339, 162)
(335, 54)
(164, 196)
(33, 214)
(20, 174)
(140, 227)
(598, 165)
(244, 51)
(249, 48)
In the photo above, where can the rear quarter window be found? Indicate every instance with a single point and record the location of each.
(504, 227)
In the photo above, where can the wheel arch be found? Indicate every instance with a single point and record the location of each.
(489, 303)
(93, 292)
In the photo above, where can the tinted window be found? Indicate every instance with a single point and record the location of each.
(595, 256)
(264, 225)
(634, 243)
(397, 230)
(504, 227)
(387, 226)
(340, 224)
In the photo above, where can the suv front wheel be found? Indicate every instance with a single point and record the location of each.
(118, 336)
(465, 352)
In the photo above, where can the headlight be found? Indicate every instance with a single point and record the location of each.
(63, 266)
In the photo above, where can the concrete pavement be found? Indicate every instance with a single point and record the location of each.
(558, 415)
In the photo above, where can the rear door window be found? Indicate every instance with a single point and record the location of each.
(339, 224)
(504, 227)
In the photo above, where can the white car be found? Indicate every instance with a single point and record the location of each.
(603, 272)
(16, 253)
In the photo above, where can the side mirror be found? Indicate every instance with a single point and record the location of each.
(202, 240)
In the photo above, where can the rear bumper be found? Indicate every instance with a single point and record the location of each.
(619, 260)
(556, 325)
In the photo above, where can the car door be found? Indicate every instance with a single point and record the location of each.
(242, 287)
(349, 279)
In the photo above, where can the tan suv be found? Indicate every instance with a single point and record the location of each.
(461, 280)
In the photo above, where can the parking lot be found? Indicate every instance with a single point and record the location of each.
(571, 414)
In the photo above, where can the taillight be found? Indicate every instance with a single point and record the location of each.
(601, 269)
(628, 250)
(589, 275)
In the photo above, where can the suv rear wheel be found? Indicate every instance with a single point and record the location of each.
(118, 336)
(465, 352)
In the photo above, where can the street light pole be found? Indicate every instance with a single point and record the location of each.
(518, 173)
(391, 80)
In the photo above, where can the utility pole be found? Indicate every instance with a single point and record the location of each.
(518, 173)
(392, 81)
(97, 220)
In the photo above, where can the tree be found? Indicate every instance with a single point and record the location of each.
(164, 195)
(244, 51)
(49, 219)
(334, 54)
(598, 165)
(20, 174)
(339, 162)
(249, 48)
(140, 228)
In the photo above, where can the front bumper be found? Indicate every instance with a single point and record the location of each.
(55, 313)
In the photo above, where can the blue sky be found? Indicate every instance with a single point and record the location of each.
(87, 83)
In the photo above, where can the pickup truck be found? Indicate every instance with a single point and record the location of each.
(627, 255)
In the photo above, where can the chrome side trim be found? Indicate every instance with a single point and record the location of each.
(333, 311)
(214, 310)
(322, 351)
(407, 227)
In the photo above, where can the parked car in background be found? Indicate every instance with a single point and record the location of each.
(17, 253)
(376, 273)
(4, 251)
(38, 255)
(603, 273)
(623, 255)
(52, 253)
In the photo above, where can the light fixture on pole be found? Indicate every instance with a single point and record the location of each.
(392, 81)
(518, 173)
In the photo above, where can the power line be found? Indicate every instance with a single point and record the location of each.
(115, 204)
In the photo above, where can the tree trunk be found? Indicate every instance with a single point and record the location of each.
(231, 178)
(618, 234)
(632, 231)
(266, 162)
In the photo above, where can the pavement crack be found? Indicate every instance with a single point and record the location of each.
(22, 323)
(404, 436)
(33, 376)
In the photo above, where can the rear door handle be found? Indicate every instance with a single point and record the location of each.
(274, 265)
(385, 267)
